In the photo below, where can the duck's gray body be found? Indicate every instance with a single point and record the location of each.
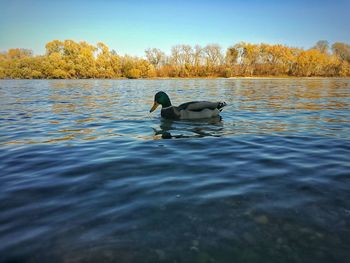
(193, 110)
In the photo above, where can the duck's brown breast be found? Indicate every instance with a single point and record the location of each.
(170, 113)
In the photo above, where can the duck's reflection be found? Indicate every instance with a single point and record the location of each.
(170, 129)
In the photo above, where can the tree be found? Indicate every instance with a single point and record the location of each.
(103, 62)
(214, 56)
(248, 55)
(18, 53)
(86, 61)
(311, 63)
(54, 46)
(231, 56)
(322, 46)
(342, 50)
(155, 56)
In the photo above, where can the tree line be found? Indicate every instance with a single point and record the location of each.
(72, 60)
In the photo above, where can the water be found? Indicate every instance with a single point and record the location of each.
(88, 175)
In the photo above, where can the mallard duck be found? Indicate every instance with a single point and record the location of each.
(188, 110)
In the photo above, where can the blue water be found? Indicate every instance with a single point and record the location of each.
(88, 175)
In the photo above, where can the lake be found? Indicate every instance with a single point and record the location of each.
(87, 174)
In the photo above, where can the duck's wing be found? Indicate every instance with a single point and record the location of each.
(201, 105)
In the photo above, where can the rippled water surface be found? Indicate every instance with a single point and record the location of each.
(88, 175)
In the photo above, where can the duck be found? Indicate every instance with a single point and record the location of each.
(186, 111)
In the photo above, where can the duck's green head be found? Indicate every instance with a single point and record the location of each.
(161, 98)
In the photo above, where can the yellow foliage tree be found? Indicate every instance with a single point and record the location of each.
(70, 59)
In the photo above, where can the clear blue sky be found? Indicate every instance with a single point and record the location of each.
(132, 26)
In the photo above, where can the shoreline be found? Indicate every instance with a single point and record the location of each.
(182, 78)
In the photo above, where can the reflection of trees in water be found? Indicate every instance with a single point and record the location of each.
(81, 96)
(302, 94)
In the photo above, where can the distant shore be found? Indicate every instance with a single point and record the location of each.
(175, 78)
(80, 60)
(254, 77)
(189, 78)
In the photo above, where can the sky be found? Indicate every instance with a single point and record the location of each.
(131, 26)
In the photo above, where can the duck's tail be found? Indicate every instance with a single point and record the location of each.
(221, 105)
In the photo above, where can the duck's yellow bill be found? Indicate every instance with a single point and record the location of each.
(155, 105)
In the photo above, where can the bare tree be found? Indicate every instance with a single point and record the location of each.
(187, 53)
(197, 56)
(322, 46)
(176, 55)
(155, 56)
(213, 54)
